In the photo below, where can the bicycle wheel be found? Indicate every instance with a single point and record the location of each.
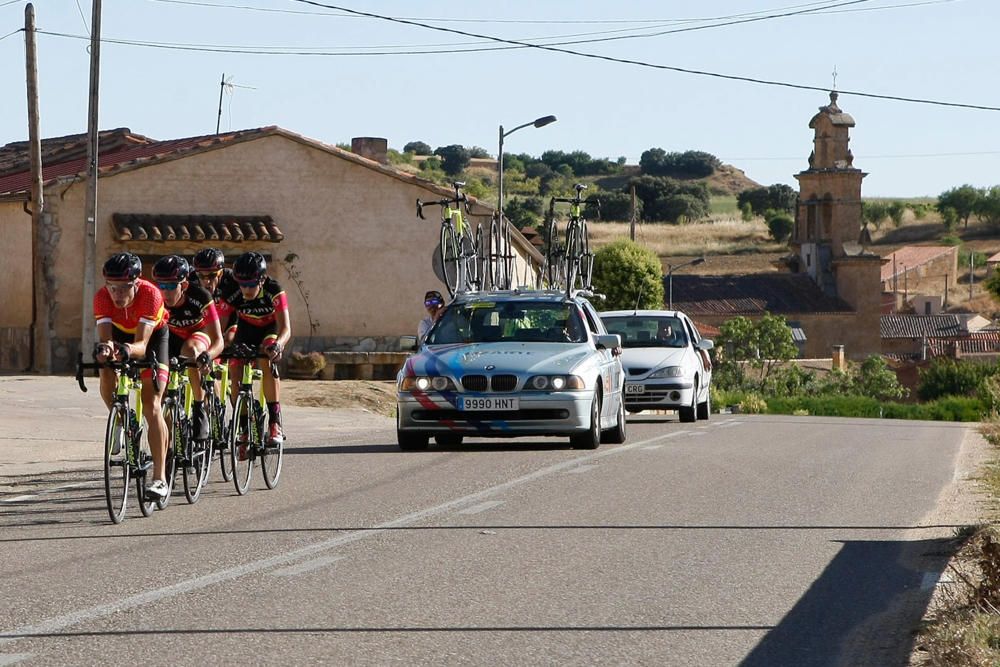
(586, 258)
(174, 419)
(478, 260)
(144, 460)
(270, 462)
(554, 265)
(572, 259)
(241, 444)
(197, 464)
(117, 473)
(220, 436)
(508, 255)
(496, 255)
(449, 252)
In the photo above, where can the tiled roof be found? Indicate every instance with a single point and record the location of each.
(706, 330)
(920, 326)
(993, 258)
(753, 294)
(207, 228)
(909, 257)
(975, 343)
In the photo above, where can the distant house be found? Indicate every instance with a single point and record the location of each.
(920, 276)
(922, 336)
(339, 229)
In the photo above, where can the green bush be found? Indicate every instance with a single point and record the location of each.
(953, 408)
(627, 273)
(780, 226)
(951, 377)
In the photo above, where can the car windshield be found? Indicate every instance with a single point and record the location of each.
(648, 330)
(509, 321)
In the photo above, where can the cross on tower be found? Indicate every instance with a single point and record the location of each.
(835, 77)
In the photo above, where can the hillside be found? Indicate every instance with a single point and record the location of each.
(727, 180)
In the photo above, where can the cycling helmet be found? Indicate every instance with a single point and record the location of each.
(171, 269)
(209, 259)
(249, 267)
(122, 266)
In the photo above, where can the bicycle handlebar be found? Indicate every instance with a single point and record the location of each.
(125, 366)
(442, 203)
(246, 353)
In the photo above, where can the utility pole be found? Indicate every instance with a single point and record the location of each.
(631, 226)
(40, 323)
(87, 333)
(972, 273)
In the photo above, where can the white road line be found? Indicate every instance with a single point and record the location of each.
(43, 492)
(306, 566)
(646, 449)
(583, 468)
(481, 507)
(17, 499)
(58, 623)
(11, 658)
(728, 424)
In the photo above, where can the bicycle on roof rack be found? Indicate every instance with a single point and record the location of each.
(459, 248)
(500, 260)
(569, 263)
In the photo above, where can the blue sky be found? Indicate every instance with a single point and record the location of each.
(928, 49)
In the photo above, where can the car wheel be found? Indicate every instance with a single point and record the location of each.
(687, 412)
(616, 435)
(591, 438)
(705, 408)
(410, 441)
(448, 439)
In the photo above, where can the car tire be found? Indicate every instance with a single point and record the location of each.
(591, 438)
(411, 441)
(616, 435)
(705, 408)
(688, 413)
(448, 439)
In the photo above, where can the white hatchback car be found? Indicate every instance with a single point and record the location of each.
(666, 362)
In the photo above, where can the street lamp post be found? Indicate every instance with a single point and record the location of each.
(670, 277)
(538, 122)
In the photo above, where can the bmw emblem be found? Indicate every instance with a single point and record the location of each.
(490, 367)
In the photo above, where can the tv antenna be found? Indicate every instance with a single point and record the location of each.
(224, 86)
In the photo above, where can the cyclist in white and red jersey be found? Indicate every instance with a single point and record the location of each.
(132, 323)
(194, 327)
(264, 325)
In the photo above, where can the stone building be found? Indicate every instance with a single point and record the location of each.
(339, 230)
(832, 295)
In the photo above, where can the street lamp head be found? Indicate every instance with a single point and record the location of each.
(700, 260)
(544, 120)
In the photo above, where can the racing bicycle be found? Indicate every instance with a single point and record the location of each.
(569, 261)
(247, 435)
(127, 455)
(192, 458)
(459, 248)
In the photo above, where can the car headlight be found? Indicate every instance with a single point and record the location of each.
(554, 382)
(668, 372)
(426, 383)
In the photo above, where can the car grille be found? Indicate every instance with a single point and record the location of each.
(488, 415)
(504, 382)
(498, 383)
(637, 371)
(474, 382)
(651, 395)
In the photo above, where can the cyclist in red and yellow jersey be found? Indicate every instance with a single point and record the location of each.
(132, 323)
(262, 308)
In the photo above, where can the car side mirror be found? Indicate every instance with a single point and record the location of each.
(408, 343)
(608, 341)
(705, 344)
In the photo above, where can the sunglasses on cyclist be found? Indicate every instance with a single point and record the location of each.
(432, 302)
(209, 275)
(167, 286)
(248, 283)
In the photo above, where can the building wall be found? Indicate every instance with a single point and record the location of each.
(15, 285)
(932, 277)
(823, 331)
(362, 256)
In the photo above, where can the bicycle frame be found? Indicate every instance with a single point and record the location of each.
(459, 249)
(567, 261)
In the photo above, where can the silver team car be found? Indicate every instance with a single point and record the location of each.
(666, 362)
(513, 363)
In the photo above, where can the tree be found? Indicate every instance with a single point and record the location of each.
(895, 211)
(615, 206)
(963, 199)
(417, 148)
(663, 199)
(454, 158)
(876, 380)
(686, 165)
(524, 211)
(630, 275)
(874, 212)
(779, 197)
(478, 152)
(760, 344)
(987, 207)
(780, 225)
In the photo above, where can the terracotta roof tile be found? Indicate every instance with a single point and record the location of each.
(776, 293)
(909, 257)
(196, 228)
(920, 326)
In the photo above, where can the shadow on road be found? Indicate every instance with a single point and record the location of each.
(865, 602)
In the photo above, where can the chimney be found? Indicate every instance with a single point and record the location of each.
(837, 358)
(373, 148)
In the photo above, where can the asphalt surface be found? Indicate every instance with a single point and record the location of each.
(746, 540)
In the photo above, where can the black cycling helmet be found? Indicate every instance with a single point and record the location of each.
(209, 259)
(171, 269)
(122, 266)
(250, 267)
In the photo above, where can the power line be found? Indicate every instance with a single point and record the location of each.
(640, 63)
(863, 157)
(11, 33)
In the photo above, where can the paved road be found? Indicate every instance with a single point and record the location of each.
(746, 540)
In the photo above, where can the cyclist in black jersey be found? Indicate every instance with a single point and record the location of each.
(263, 324)
(211, 273)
